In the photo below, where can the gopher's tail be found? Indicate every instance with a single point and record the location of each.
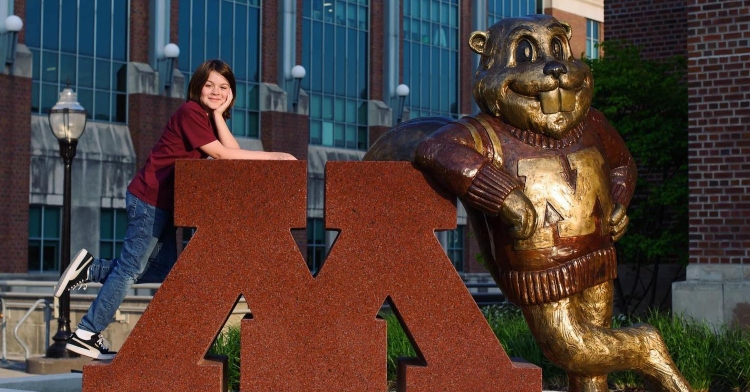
(401, 141)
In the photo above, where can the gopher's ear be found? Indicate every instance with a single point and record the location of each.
(477, 41)
(568, 29)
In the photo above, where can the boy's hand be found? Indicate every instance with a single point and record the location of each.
(224, 106)
(282, 156)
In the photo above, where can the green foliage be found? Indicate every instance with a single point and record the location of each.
(399, 345)
(228, 344)
(711, 359)
(509, 325)
(647, 102)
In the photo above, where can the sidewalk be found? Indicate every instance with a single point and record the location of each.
(13, 378)
(13, 368)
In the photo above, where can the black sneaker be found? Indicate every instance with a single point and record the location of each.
(76, 275)
(97, 347)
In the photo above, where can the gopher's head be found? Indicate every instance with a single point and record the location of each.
(528, 77)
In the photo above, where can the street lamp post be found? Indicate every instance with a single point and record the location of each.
(402, 91)
(171, 52)
(13, 24)
(67, 119)
(298, 72)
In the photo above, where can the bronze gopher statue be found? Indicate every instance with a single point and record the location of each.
(546, 182)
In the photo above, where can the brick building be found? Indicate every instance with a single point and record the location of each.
(714, 35)
(111, 53)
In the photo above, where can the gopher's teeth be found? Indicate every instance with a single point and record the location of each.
(557, 100)
(550, 101)
(567, 100)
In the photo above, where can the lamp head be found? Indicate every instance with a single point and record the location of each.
(171, 51)
(402, 90)
(298, 72)
(13, 24)
(67, 118)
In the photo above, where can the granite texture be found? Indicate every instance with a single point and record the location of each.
(311, 333)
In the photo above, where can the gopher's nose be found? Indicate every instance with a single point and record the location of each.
(555, 69)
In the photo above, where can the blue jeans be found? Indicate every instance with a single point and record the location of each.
(148, 254)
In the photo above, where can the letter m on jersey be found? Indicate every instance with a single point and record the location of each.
(565, 195)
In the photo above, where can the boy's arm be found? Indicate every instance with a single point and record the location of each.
(223, 133)
(217, 150)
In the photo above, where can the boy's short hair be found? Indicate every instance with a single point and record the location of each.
(200, 76)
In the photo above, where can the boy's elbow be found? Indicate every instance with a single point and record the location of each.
(216, 153)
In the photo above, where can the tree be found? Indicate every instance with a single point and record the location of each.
(647, 102)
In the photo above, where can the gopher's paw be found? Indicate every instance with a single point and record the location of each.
(618, 223)
(518, 212)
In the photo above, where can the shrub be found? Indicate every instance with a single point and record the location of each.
(711, 359)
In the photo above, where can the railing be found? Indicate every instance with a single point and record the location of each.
(42, 297)
(21, 321)
(486, 298)
(45, 297)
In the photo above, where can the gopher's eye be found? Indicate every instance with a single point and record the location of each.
(524, 51)
(557, 49)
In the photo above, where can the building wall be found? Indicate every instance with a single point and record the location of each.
(15, 123)
(659, 27)
(465, 93)
(713, 36)
(15, 150)
(719, 129)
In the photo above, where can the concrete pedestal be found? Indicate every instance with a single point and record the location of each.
(718, 294)
(44, 365)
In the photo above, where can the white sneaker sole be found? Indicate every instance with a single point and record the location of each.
(89, 353)
(69, 273)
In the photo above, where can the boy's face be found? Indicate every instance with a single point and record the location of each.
(215, 91)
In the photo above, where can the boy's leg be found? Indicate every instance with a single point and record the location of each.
(83, 269)
(145, 227)
(163, 257)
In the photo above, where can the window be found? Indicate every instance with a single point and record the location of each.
(316, 244)
(335, 49)
(112, 226)
(82, 44)
(454, 247)
(592, 39)
(230, 31)
(44, 238)
(430, 60)
(501, 9)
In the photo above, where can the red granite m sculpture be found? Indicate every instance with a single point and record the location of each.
(311, 333)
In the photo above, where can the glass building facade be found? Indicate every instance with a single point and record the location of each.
(501, 9)
(85, 44)
(82, 44)
(430, 46)
(335, 50)
(230, 31)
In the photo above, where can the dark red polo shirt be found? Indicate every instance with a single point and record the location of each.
(188, 129)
